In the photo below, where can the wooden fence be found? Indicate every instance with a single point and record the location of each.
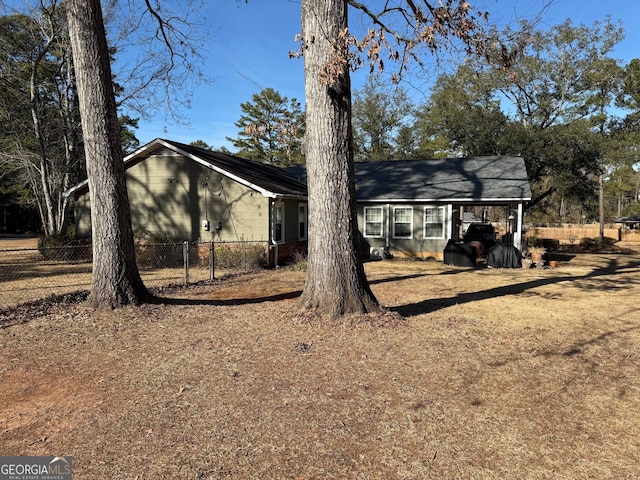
(569, 234)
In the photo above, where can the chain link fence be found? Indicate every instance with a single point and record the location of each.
(35, 273)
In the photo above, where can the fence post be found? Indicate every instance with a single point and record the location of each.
(185, 256)
(212, 261)
(244, 255)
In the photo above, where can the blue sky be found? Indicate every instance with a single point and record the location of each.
(249, 46)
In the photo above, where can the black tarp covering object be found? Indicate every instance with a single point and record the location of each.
(504, 256)
(459, 254)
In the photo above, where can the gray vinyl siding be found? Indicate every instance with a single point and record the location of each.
(178, 208)
(416, 246)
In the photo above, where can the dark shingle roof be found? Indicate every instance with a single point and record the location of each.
(632, 219)
(471, 179)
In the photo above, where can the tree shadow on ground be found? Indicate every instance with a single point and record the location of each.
(268, 298)
(228, 301)
(397, 279)
(434, 304)
(572, 350)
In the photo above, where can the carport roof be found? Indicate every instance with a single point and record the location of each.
(632, 219)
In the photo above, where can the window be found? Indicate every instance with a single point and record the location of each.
(434, 222)
(302, 221)
(373, 221)
(278, 222)
(403, 222)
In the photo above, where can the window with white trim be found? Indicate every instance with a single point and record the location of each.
(434, 222)
(403, 222)
(373, 222)
(302, 221)
(278, 222)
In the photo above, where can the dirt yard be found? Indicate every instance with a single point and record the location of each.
(492, 374)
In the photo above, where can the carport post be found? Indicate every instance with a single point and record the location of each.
(517, 234)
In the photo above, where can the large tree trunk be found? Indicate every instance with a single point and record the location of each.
(336, 282)
(116, 280)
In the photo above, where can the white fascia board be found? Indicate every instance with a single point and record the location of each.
(146, 147)
(69, 192)
(149, 146)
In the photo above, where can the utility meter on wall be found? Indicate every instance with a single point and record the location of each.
(205, 225)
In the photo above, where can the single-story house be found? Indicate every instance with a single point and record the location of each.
(188, 194)
(412, 208)
(632, 221)
(405, 208)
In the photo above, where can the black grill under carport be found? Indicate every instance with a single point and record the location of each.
(504, 256)
(459, 254)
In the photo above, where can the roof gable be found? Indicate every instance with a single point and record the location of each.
(269, 180)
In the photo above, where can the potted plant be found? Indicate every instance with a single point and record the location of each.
(537, 253)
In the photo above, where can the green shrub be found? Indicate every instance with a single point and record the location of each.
(159, 255)
(53, 241)
(550, 244)
(534, 241)
(142, 236)
(588, 243)
(606, 242)
(156, 250)
(64, 248)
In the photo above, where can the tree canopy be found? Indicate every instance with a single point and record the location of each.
(379, 111)
(41, 134)
(271, 129)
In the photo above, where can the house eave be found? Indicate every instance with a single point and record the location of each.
(81, 186)
(279, 196)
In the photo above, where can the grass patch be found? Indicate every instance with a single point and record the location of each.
(490, 373)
